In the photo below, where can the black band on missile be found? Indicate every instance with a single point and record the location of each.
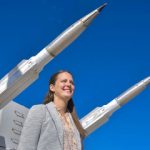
(53, 55)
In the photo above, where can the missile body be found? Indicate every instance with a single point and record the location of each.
(27, 71)
(100, 115)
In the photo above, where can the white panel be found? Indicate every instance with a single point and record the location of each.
(12, 117)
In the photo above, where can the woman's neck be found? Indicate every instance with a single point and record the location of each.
(61, 105)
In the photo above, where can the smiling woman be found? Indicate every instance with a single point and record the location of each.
(55, 124)
(63, 88)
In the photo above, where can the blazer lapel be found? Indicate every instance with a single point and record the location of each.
(57, 122)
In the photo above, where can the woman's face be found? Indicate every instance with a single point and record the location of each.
(64, 86)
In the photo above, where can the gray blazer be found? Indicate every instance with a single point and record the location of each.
(43, 129)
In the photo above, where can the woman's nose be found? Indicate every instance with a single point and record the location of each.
(68, 84)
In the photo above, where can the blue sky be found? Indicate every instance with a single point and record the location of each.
(109, 57)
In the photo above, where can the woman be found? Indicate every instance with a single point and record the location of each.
(54, 125)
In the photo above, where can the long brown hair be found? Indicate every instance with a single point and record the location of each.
(70, 106)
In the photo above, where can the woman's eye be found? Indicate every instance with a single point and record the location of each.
(72, 82)
(64, 81)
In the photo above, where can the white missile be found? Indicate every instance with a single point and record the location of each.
(27, 71)
(100, 115)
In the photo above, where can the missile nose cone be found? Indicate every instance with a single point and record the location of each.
(89, 18)
(101, 7)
